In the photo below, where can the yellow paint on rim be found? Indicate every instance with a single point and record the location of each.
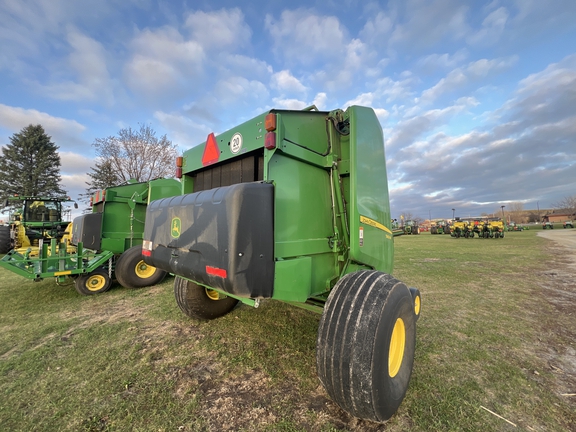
(95, 282)
(417, 305)
(397, 344)
(144, 271)
(212, 294)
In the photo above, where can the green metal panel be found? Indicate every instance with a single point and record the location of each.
(251, 137)
(370, 206)
(330, 186)
(124, 211)
(47, 264)
(292, 279)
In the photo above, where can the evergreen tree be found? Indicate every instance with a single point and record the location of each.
(30, 165)
(103, 176)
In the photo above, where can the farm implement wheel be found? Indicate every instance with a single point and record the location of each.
(132, 272)
(5, 244)
(93, 283)
(199, 302)
(417, 301)
(365, 345)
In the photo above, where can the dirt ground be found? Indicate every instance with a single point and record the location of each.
(559, 288)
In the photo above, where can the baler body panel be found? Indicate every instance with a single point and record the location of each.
(330, 206)
(121, 211)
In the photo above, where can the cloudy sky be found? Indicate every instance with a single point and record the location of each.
(477, 100)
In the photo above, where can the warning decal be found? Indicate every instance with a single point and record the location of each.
(372, 222)
(236, 143)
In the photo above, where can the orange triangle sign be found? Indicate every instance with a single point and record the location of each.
(211, 151)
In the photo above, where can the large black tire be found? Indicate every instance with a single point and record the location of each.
(199, 302)
(365, 345)
(93, 283)
(132, 272)
(5, 243)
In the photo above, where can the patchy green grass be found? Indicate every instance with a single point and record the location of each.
(130, 360)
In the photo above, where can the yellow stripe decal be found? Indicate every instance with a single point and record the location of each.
(62, 273)
(372, 222)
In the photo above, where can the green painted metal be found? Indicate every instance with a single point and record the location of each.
(58, 264)
(331, 204)
(123, 211)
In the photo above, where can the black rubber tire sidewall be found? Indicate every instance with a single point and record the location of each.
(5, 243)
(195, 303)
(391, 391)
(353, 344)
(126, 274)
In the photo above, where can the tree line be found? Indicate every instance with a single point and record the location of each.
(30, 163)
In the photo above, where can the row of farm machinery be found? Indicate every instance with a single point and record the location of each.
(482, 228)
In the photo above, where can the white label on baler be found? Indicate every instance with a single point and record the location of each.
(236, 143)
(361, 236)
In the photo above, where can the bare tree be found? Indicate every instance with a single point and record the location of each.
(137, 154)
(515, 207)
(566, 203)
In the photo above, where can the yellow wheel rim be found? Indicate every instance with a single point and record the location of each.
(397, 343)
(95, 282)
(417, 305)
(144, 271)
(212, 295)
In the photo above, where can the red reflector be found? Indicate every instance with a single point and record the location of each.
(146, 252)
(270, 122)
(214, 271)
(178, 172)
(270, 140)
(211, 151)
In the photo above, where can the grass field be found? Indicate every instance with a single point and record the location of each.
(489, 336)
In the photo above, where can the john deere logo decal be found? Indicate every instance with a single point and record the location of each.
(175, 227)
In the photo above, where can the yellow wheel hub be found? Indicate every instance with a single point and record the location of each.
(144, 271)
(95, 282)
(397, 344)
(417, 305)
(212, 295)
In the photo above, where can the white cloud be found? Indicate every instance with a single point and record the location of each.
(162, 61)
(460, 77)
(75, 163)
(284, 81)
(320, 101)
(88, 63)
(291, 104)
(429, 22)
(182, 130)
(364, 99)
(432, 62)
(220, 30)
(65, 133)
(303, 37)
(239, 89)
(377, 29)
(492, 28)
